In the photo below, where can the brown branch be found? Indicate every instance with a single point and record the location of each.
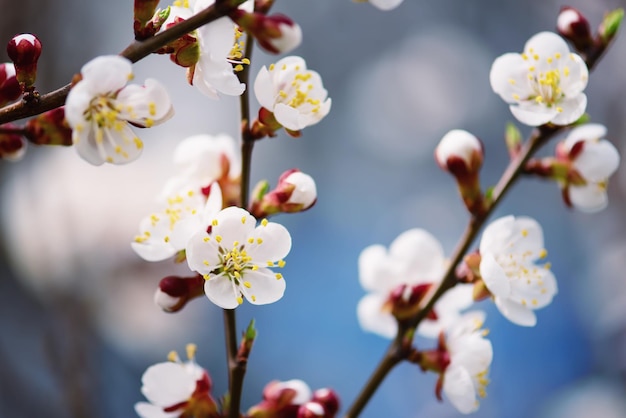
(134, 52)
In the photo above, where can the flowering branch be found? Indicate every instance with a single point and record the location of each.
(134, 52)
(236, 364)
(398, 349)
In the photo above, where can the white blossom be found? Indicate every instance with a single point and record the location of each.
(220, 48)
(594, 159)
(176, 389)
(386, 4)
(415, 257)
(543, 84)
(294, 94)
(100, 107)
(235, 257)
(510, 248)
(465, 378)
(459, 144)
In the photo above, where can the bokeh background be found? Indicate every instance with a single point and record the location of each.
(77, 323)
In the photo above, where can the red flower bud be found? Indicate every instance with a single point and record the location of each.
(24, 50)
(12, 145)
(174, 292)
(573, 26)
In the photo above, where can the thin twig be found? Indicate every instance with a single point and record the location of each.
(134, 52)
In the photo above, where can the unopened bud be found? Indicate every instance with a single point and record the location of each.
(574, 26)
(461, 154)
(174, 292)
(49, 128)
(9, 87)
(311, 410)
(277, 33)
(12, 145)
(24, 50)
(295, 192)
(328, 399)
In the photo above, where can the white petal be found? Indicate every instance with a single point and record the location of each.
(494, 276)
(459, 388)
(546, 44)
(386, 4)
(166, 384)
(77, 102)
(597, 161)
(202, 253)
(217, 38)
(85, 145)
(508, 77)
(589, 198)
(291, 118)
(264, 89)
(148, 102)
(221, 292)
(376, 272)
(537, 291)
(275, 243)
(220, 75)
(526, 238)
(373, 319)
(496, 234)
(107, 73)
(575, 77)
(572, 109)
(516, 313)
(421, 253)
(153, 251)
(233, 224)
(532, 113)
(264, 287)
(586, 132)
(147, 410)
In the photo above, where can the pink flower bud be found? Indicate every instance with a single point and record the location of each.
(174, 292)
(9, 87)
(572, 25)
(328, 399)
(12, 145)
(24, 50)
(276, 33)
(281, 399)
(459, 152)
(295, 192)
(311, 410)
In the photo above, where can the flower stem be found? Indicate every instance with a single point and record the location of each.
(134, 52)
(395, 354)
(237, 366)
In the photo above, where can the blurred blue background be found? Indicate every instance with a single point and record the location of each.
(78, 326)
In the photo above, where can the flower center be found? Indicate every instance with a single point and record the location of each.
(234, 262)
(296, 93)
(104, 112)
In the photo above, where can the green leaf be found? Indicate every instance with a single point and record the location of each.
(610, 25)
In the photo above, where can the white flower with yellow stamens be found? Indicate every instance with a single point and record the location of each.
(543, 84)
(100, 107)
(509, 249)
(294, 94)
(594, 160)
(235, 255)
(470, 355)
(187, 210)
(221, 50)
